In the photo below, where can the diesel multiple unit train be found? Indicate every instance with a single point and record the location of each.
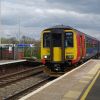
(62, 46)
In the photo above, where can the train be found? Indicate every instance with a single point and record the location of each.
(63, 46)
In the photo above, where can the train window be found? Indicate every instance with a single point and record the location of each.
(56, 38)
(46, 40)
(69, 39)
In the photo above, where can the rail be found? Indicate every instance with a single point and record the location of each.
(7, 79)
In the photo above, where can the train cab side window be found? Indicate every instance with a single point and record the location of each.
(46, 40)
(69, 39)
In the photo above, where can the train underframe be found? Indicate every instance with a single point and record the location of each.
(61, 67)
(58, 66)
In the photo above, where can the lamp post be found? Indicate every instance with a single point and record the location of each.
(19, 30)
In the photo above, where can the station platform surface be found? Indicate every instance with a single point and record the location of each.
(77, 84)
(2, 62)
(94, 93)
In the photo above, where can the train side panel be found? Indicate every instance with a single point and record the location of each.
(81, 48)
(91, 47)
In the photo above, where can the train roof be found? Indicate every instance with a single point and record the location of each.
(63, 27)
(69, 28)
(60, 27)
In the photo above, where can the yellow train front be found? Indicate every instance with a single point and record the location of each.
(59, 49)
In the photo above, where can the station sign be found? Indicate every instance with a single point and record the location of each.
(25, 45)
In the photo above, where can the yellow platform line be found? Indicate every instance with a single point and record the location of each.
(90, 86)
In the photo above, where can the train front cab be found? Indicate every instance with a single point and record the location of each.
(59, 50)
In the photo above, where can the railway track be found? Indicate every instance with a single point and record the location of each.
(21, 87)
(10, 78)
(27, 90)
(18, 78)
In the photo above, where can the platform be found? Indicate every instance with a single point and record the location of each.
(94, 89)
(74, 85)
(3, 62)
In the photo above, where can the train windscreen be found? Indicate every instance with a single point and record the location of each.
(56, 39)
(68, 39)
(46, 40)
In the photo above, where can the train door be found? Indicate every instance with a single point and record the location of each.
(82, 46)
(81, 51)
(56, 47)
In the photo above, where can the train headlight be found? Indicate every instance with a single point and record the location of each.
(45, 57)
(69, 56)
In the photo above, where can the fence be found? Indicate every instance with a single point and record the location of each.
(14, 51)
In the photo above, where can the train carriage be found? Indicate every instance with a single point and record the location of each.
(62, 46)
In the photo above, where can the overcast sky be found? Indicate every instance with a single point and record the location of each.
(35, 15)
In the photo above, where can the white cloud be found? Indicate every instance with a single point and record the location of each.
(35, 15)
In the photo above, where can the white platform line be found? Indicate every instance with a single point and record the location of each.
(48, 84)
(10, 62)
